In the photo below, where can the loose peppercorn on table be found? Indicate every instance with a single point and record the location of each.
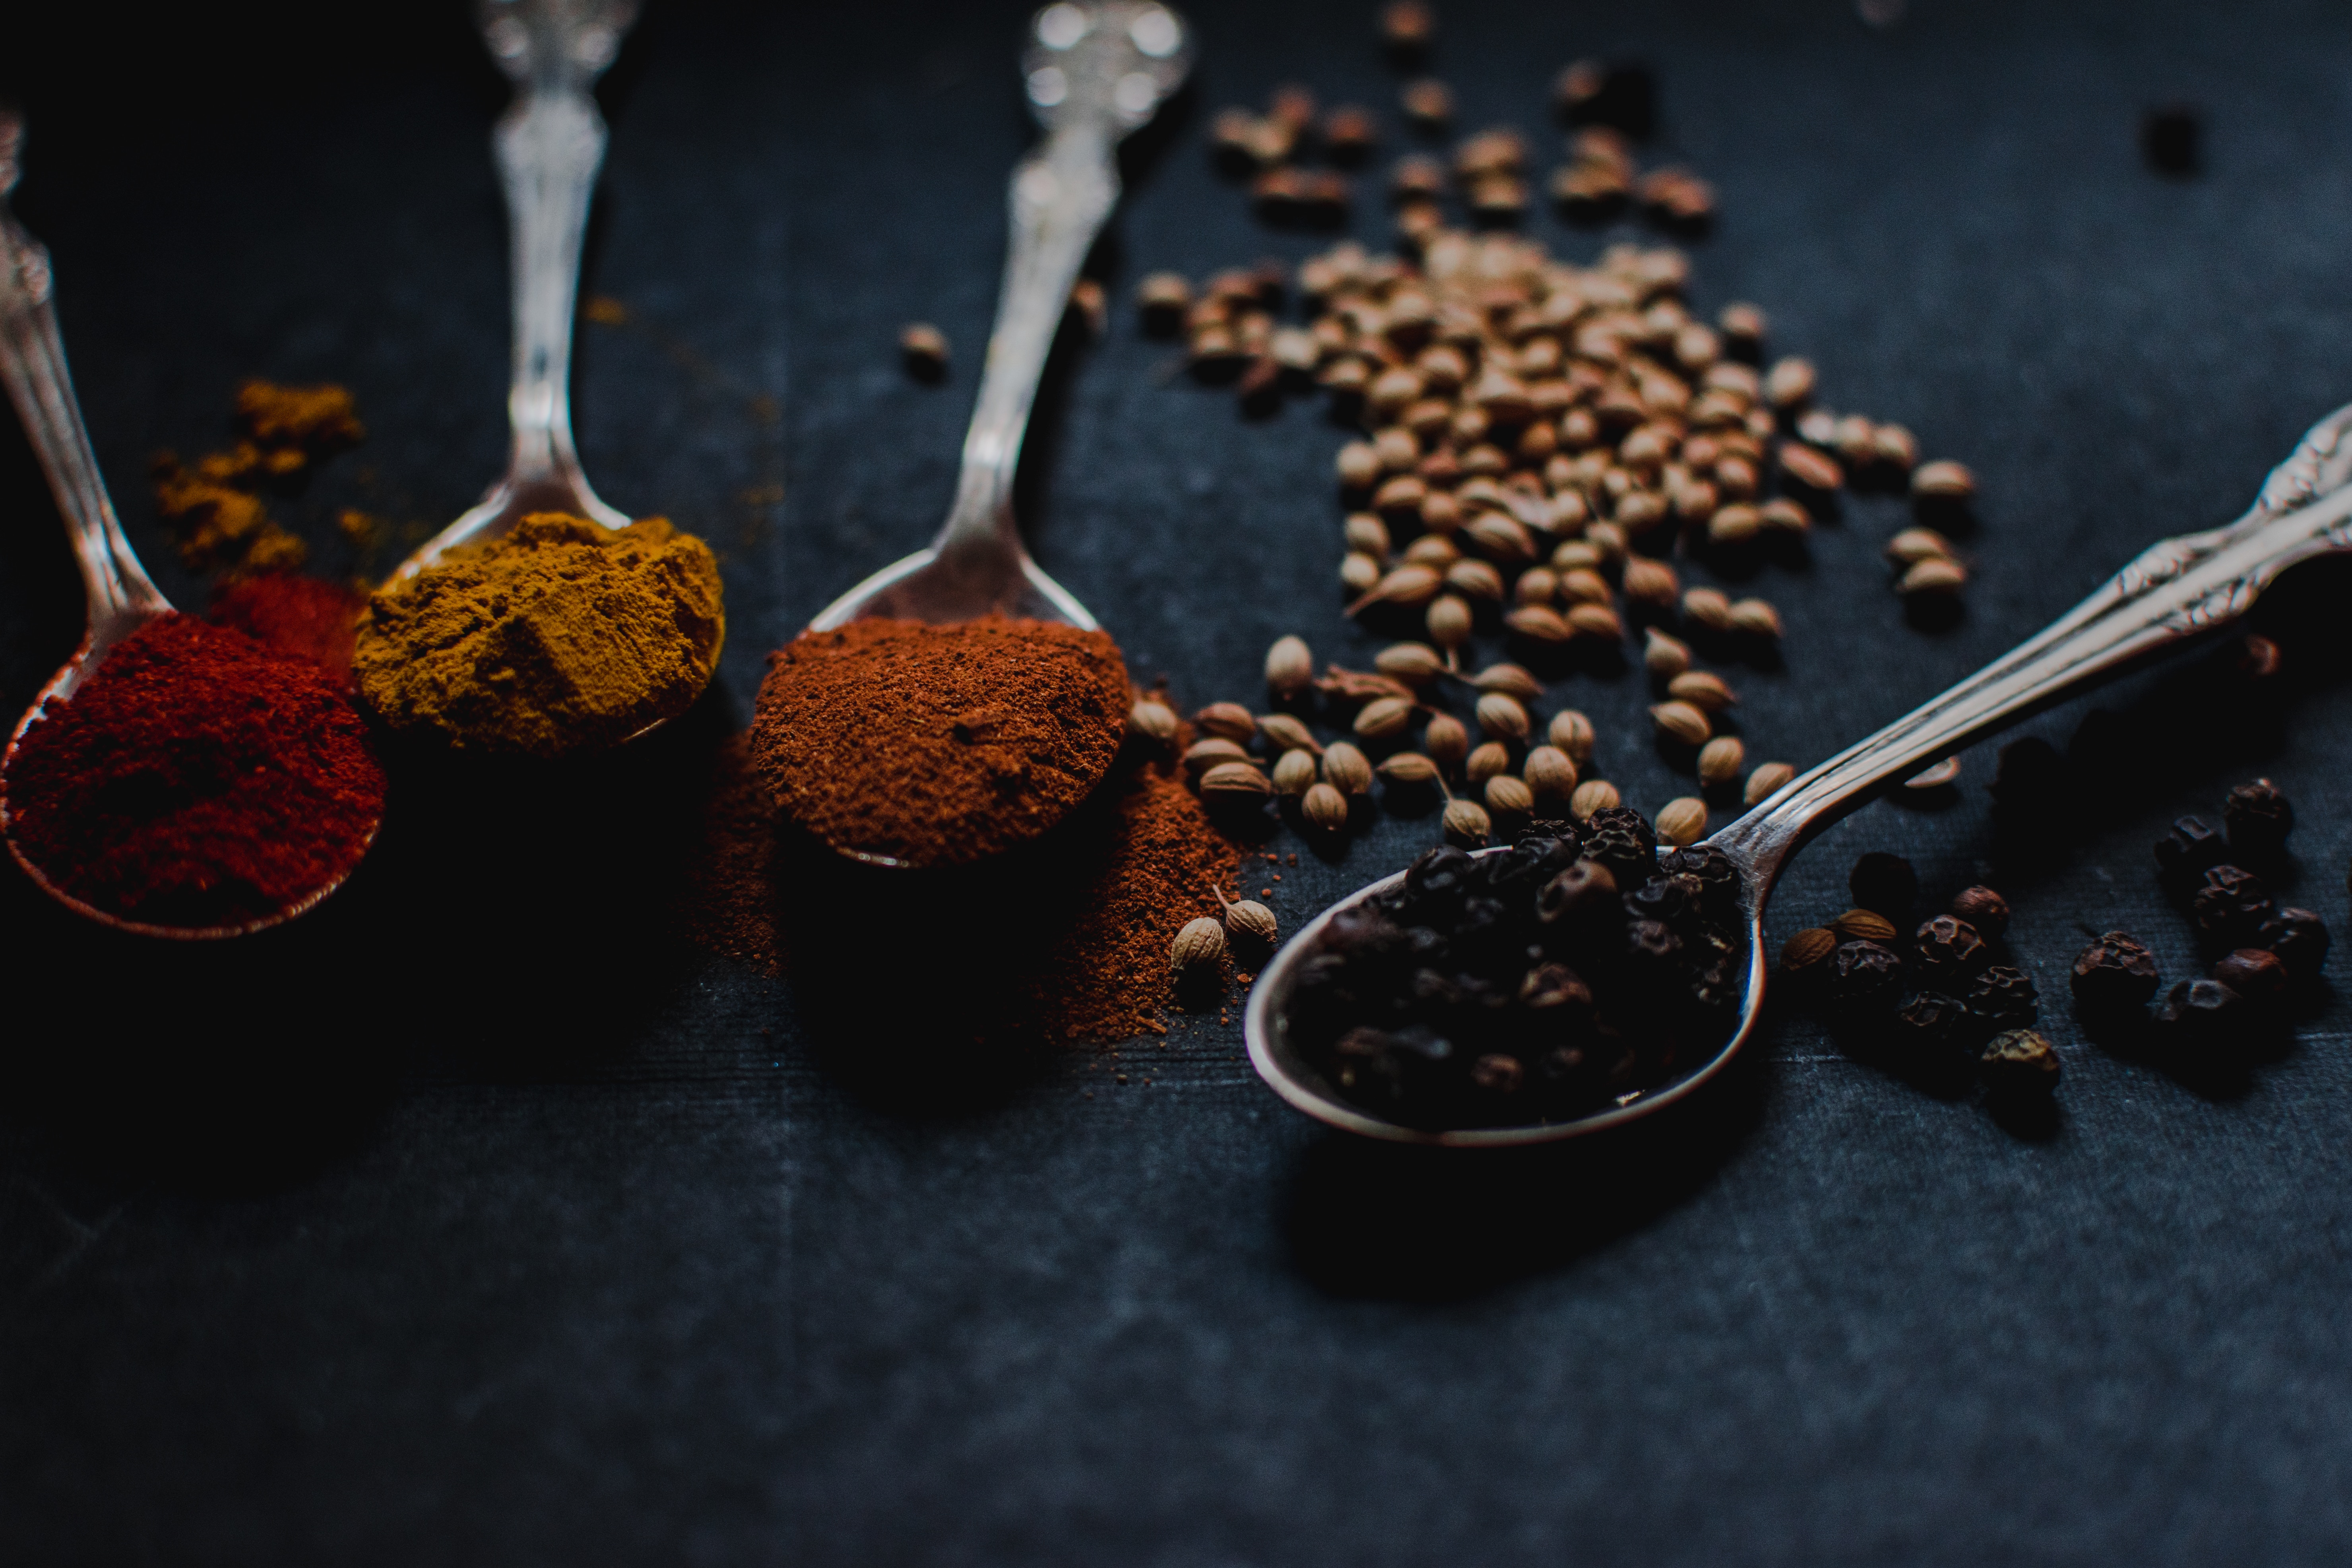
(583, 1182)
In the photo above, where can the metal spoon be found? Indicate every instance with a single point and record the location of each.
(2175, 590)
(549, 145)
(122, 598)
(1095, 72)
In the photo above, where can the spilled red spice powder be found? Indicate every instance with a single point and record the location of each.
(306, 615)
(938, 745)
(1065, 941)
(195, 779)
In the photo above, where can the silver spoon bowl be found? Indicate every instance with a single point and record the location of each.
(2175, 591)
(1094, 73)
(121, 596)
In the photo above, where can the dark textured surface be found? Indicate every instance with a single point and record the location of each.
(469, 1220)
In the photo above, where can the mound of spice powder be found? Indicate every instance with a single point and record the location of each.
(196, 779)
(1065, 941)
(938, 745)
(560, 636)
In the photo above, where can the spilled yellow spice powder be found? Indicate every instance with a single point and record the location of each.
(562, 636)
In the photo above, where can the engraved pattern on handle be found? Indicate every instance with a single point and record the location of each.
(2174, 589)
(33, 361)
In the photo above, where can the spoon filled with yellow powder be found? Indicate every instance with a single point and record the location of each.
(544, 622)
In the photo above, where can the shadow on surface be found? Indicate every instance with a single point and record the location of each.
(1406, 1223)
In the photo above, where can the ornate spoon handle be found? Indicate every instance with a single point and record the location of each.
(33, 362)
(2175, 589)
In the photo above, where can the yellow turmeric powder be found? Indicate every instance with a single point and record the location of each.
(560, 636)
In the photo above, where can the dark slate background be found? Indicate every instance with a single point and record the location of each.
(473, 1219)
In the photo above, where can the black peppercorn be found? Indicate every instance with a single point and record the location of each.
(2019, 1062)
(2258, 818)
(1948, 948)
(1651, 947)
(2254, 974)
(1719, 878)
(2188, 851)
(1866, 977)
(1621, 839)
(1983, 908)
(2230, 907)
(1670, 900)
(1393, 1069)
(1581, 894)
(1496, 1074)
(2197, 1012)
(1884, 882)
(2298, 937)
(2003, 997)
(1548, 986)
(1931, 1021)
(2114, 974)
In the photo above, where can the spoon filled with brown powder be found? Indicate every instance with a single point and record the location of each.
(961, 701)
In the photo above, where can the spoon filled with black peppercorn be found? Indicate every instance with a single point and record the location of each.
(1577, 980)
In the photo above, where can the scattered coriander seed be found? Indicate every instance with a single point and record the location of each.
(1735, 525)
(1502, 716)
(1683, 822)
(1348, 769)
(1198, 947)
(1665, 658)
(1702, 690)
(1289, 667)
(2018, 1063)
(1368, 535)
(1935, 777)
(1818, 426)
(1447, 741)
(1983, 908)
(1508, 797)
(1650, 583)
(1597, 622)
(1937, 576)
(1407, 768)
(1510, 679)
(1237, 786)
(1807, 952)
(1478, 579)
(1550, 774)
(1708, 609)
(1541, 625)
(1449, 621)
(1294, 773)
(1742, 325)
(1913, 545)
(1573, 732)
(1720, 760)
(1359, 573)
(1248, 920)
(1486, 762)
(1203, 755)
(1766, 781)
(1436, 550)
(1163, 298)
(1428, 103)
(2259, 657)
(1681, 723)
(1788, 382)
(1359, 466)
(1349, 133)
(1466, 823)
(1324, 808)
(1384, 718)
(1092, 308)
(1229, 719)
(1811, 468)
(1407, 587)
(1755, 618)
(1784, 517)
(1537, 585)
(1151, 722)
(923, 349)
(1415, 664)
(1944, 480)
(1285, 732)
(1863, 925)
(1592, 795)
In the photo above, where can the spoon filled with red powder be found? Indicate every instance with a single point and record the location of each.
(175, 778)
(959, 700)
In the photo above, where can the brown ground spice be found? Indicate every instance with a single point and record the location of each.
(1062, 943)
(938, 745)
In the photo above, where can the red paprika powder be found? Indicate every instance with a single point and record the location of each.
(938, 745)
(196, 779)
(307, 615)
